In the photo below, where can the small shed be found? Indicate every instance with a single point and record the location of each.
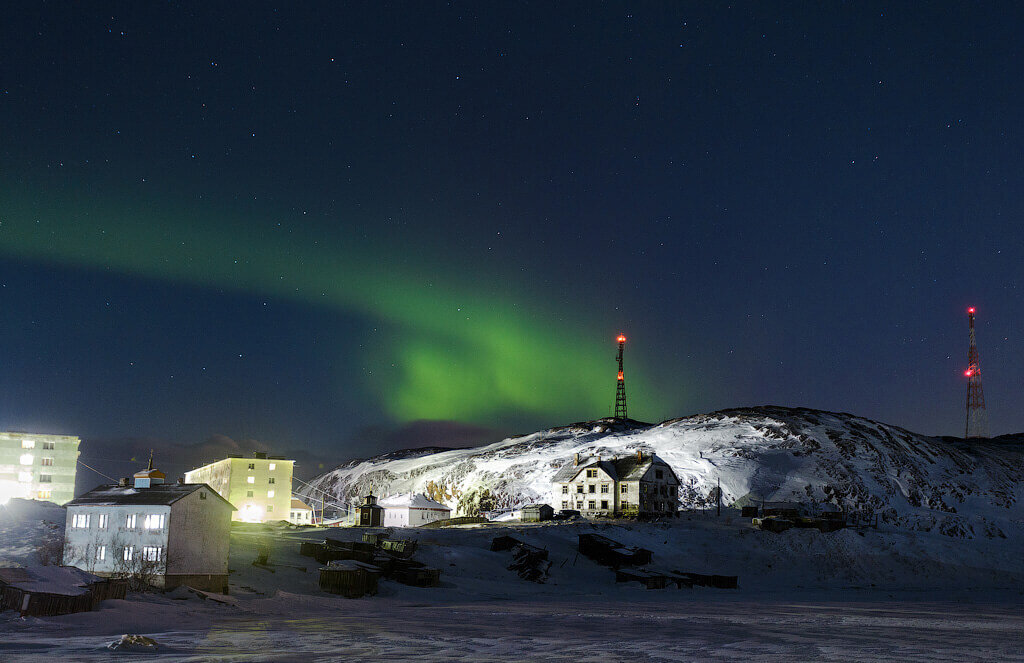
(369, 513)
(349, 578)
(413, 510)
(55, 590)
(535, 513)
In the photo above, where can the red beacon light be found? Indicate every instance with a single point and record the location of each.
(970, 310)
(968, 372)
(621, 338)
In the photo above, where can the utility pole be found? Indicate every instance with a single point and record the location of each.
(719, 513)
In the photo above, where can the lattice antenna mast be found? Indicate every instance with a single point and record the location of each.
(977, 417)
(620, 389)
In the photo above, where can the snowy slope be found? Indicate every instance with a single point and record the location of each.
(26, 526)
(776, 454)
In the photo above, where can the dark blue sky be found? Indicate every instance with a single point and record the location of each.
(787, 204)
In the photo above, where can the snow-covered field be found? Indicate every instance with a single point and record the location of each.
(869, 595)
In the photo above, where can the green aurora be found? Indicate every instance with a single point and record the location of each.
(460, 349)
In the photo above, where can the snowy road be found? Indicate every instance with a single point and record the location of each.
(748, 630)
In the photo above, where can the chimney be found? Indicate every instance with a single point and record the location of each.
(577, 461)
(123, 482)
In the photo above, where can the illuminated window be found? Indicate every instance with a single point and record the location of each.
(25, 477)
(28, 444)
(152, 553)
(101, 553)
(129, 522)
(250, 479)
(154, 521)
(102, 520)
(43, 494)
(80, 521)
(46, 462)
(273, 466)
(129, 552)
(270, 493)
(26, 459)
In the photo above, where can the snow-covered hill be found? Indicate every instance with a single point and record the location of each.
(961, 488)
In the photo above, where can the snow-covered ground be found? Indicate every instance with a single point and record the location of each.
(868, 595)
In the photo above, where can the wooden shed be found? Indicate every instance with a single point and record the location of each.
(535, 513)
(349, 578)
(55, 590)
(369, 513)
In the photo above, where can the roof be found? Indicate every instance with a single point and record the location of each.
(151, 474)
(299, 504)
(63, 580)
(160, 494)
(537, 507)
(412, 501)
(623, 468)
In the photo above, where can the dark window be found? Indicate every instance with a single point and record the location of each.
(624, 489)
(579, 488)
(591, 504)
(604, 488)
(252, 466)
(591, 474)
(47, 445)
(565, 505)
(248, 493)
(271, 480)
(604, 504)
(45, 478)
(591, 488)
(565, 490)
(658, 474)
(579, 505)
(202, 495)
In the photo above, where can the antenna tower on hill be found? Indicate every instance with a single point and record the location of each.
(620, 389)
(977, 417)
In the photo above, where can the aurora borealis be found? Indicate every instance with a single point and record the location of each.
(304, 226)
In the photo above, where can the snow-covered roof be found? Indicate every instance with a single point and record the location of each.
(623, 468)
(299, 504)
(63, 580)
(161, 494)
(412, 501)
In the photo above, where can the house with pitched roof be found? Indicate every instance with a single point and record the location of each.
(163, 534)
(638, 485)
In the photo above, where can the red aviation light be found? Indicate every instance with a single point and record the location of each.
(968, 372)
(621, 338)
(970, 310)
(620, 375)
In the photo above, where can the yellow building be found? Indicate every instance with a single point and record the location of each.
(259, 487)
(38, 467)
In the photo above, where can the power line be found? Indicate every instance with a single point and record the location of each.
(97, 471)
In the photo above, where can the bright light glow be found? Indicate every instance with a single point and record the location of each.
(28, 444)
(250, 479)
(970, 310)
(9, 489)
(251, 513)
(25, 477)
(967, 372)
(26, 459)
(270, 493)
(273, 466)
(620, 375)
(621, 338)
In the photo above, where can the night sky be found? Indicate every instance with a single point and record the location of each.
(337, 229)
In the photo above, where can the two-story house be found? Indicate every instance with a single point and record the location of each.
(163, 534)
(638, 485)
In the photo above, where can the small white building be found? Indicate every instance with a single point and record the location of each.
(164, 534)
(412, 510)
(300, 513)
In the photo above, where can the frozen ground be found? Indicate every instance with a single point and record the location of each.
(852, 596)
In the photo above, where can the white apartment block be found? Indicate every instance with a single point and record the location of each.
(38, 467)
(259, 487)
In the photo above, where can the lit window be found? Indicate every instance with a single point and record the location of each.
(28, 444)
(154, 521)
(26, 459)
(25, 477)
(270, 493)
(46, 462)
(152, 553)
(250, 479)
(43, 494)
(80, 521)
(45, 478)
(101, 520)
(129, 522)
(273, 466)
(101, 553)
(129, 552)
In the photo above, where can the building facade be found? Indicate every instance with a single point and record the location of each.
(640, 485)
(260, 488)
(300, 513)
(38, 467)
(163, 534)
(412, 510)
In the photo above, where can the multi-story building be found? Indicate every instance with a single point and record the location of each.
(640, 485)
(150, 531)
(259, 487)
(38, 467)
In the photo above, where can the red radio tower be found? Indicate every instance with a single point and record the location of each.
(620, 389)
(977, 418)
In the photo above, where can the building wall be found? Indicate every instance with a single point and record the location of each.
(24, 474)
(571, 492)
(659, 490)
(82, 544)
(231, 479)
(404, 516)
(200, 532)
